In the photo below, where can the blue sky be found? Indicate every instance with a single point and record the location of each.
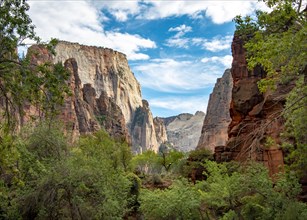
(176, 49)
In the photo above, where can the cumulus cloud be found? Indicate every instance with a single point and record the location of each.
(80, 21)
(181, 30)
(216, 44)
(218, 11)
(225, 60)
(181, 104)
(169, 75)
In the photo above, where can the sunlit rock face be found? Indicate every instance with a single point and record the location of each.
(254, 116)
(183, 131)
(107, 71)
(215, 127)
(143, 130)
(160, 130)
(105, 93)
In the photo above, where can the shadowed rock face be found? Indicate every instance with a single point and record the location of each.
(105, 93)
(183, 131)
(215, 127)
(254, 116)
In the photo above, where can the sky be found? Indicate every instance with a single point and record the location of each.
(176, 49)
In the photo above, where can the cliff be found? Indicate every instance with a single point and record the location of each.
(183, 131)
(105, 95)
(256, 122)
(215, 126)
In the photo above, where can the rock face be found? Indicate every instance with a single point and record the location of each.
(215, 127)
(160, 130)
(183, 131)
(143, 130)
(255, 117)
(105, 93)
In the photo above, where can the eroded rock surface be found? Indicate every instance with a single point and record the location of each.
(255, 116)
(183, 131)
(105, 95)
(215, 126)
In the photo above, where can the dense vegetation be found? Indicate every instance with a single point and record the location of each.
(44, 175)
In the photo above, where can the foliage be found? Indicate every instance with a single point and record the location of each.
(168, 157)
(248, 193)
(180, 201)
(22, 82)
(276, 41)
(295, 143)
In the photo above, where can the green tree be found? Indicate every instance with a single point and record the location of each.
(248, 192)
(180, 201)
(88, 183)
(276, 41)
(20, 80)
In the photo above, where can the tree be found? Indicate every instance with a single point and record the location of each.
(276, 41)
(248, 192)
(20, 80)
(180, 201)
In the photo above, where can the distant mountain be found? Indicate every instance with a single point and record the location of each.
(183, 131)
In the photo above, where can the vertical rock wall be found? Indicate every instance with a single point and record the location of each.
(215, 126)
(255, 117)
(105, 93)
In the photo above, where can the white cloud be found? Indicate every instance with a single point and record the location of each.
(178, 42)
(121, 10)
(181, 104)
(181, 30)
(80, 21)
(225, 60)
(218, 11)
(215, 44)
(169, 75)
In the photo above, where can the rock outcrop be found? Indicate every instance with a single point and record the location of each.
(160, 130)
(254, 132)
(143, 130)
(215, 126)
(183, 131)
(105, 95)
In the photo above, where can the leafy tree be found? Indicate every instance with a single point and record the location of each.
(89, 183)
(146, 163)
(276, 41)
(168, 157)
(21, 81)
(248, 193)
(295, 143)
(180, 201)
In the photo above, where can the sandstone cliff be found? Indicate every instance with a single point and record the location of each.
(160, 130)
(215, 127)
(183, 131)
(105, 93)
(143, 130)
(255, 117)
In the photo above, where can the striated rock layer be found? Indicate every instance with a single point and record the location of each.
(183, 131)
(105, 93)
(215, 126)
(255, 117)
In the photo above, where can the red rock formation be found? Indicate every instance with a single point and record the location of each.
(256, 118)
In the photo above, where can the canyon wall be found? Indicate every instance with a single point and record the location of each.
(183, 131)
(105, 93)
(215, 126)
(256, 122)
